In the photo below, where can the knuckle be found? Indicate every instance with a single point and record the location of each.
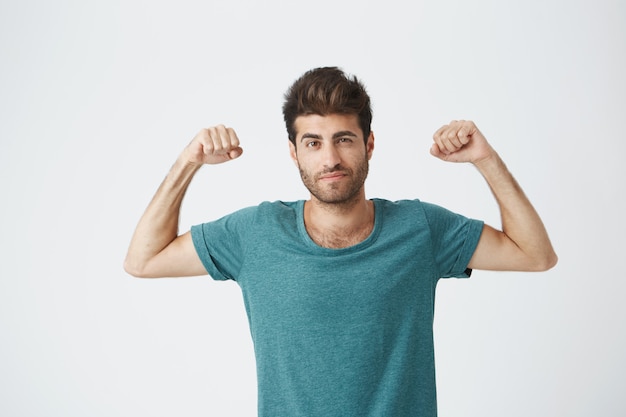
(221, 129)
(202, 135)
(208, 148)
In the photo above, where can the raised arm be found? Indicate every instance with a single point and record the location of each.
(156, 249)
(523, 243)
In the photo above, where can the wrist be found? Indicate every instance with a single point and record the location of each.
(185, 163)
(182, 172)
(490, 163)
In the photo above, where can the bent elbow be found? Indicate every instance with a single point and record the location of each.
(134, 270)
(547, 262)
(553, 260)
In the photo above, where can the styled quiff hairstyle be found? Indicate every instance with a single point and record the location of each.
(325, 91)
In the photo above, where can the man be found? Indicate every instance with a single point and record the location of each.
(339, 289)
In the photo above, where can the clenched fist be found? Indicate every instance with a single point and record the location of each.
(460, 141)
(213, 146)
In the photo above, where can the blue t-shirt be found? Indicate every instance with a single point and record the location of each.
(341, 332)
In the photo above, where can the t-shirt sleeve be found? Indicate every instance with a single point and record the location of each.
(454, 239)
(221, 244)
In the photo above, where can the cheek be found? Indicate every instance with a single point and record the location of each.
(303, 161)
(303, 166)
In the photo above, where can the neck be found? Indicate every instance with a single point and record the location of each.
(339, 225)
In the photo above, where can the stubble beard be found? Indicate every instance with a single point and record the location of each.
(337, 194)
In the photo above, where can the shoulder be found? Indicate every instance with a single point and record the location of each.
(249, 221)
(278, 210)
(400, 207)
(266, 209)
(267, 214)
(279, 206)
(420, 212)
(416, 206)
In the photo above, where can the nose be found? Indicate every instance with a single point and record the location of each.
(331, 157)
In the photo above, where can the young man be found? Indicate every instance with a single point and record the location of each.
(339, 289)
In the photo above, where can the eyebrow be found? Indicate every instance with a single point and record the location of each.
(335, 135)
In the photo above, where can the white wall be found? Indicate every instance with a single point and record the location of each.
(98, 98)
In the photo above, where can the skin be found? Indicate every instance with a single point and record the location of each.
(332, 158)
(156, 250)
(523, 243)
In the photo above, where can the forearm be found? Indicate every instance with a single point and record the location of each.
(158, 226)
(520, 221)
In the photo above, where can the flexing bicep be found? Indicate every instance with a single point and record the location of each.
(497, 252)
(178, 259)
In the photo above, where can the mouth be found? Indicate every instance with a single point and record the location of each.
(333, 176)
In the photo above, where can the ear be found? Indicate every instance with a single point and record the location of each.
(293, 154)
(369, 146)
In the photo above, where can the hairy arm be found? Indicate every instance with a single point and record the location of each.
(523, 243)
(156, 249)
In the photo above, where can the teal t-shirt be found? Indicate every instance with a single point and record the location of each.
(341, 332)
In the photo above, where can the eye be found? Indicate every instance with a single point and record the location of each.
(344, 140)
(312, 144)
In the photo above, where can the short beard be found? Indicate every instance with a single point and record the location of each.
(335, 195)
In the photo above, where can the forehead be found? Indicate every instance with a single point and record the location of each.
(327, 125)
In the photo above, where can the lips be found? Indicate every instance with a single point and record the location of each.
(333, 175)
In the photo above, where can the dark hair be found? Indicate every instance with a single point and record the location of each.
(325, 91)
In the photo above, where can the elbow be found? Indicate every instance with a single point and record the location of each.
(552, 261)
(134, 270)
(546, 263)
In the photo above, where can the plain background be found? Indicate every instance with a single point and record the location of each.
(97, 99)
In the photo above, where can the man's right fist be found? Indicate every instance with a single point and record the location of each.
(213, 146)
